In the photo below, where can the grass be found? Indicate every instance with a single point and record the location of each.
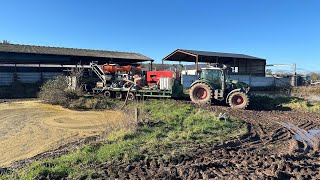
(306, 90)
(301, 104)
(167, 130)
(280, 102)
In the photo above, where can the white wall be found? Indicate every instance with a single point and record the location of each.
(257, 81)
(253, 81)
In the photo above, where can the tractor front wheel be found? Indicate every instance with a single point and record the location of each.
(200, 93)
(238, 100)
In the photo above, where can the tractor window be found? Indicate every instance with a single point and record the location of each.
(213, 75)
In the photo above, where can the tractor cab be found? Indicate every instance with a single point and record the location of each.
(213, 75)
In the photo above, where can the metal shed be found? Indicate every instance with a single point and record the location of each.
(35, 64)
(28, 54)
(241, 64)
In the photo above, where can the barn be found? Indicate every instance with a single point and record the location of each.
(28, 66)
(242, 67)
(239, 63)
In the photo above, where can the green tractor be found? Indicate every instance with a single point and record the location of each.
(213, 86)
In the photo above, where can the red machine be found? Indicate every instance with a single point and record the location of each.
(154, 76)
(116, 68)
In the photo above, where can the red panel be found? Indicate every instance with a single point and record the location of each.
(154, 76)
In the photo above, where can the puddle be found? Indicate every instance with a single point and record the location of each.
(309, 136)
(313, 134)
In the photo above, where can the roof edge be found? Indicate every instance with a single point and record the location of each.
(145, 58)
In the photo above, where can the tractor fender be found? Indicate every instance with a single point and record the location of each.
(235, 90)
(201, 81)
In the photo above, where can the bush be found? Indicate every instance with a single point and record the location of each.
(56, 92)
(91, 103)
(305, 91)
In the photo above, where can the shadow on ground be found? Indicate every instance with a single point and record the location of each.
(267, 103)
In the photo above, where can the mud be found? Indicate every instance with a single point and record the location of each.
(270, 150)
(267, 151)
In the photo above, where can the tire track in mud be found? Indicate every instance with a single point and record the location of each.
(266, 151)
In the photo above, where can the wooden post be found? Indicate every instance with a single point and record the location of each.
(162, 66)
(197, 61)
(136, 114)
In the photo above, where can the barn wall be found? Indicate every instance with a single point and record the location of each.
(21, 58)
(7, 78)
(251, 67)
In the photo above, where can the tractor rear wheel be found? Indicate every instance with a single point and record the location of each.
(238, 100)
(200, 93)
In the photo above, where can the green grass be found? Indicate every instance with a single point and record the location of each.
(169, 130)
(272, 103)
(301, 104)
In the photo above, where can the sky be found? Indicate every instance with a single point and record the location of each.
(286, 31)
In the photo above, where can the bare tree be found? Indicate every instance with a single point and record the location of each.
(269, 72)
(76, 77)
(6, 42)
(315, 76)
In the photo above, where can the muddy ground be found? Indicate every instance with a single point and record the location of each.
(267, 151)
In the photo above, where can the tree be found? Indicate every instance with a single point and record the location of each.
(315, 76)
(269, 72)
(75, 78)
(6, 42)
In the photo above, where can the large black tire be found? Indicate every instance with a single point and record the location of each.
(200, 93)
(238, 100)
(107, 94)
(119, 95)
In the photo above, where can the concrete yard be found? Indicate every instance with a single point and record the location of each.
(29, 127)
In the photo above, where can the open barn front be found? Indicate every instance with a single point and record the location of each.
(239, 64)
(24, 68)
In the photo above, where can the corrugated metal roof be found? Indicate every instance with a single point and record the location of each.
(220, 54)
(29, 49)
(174, 56)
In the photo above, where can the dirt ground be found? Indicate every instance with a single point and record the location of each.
(267, 151)
(29, 127)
